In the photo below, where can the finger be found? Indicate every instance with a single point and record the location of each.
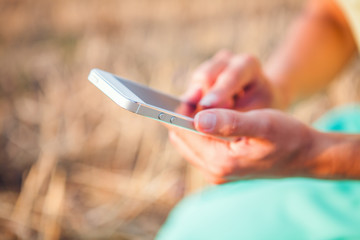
(238, 74)
(257, 94)
(206, 74)
(192, 95)
(190, 155)
(205, 150)
(187, 109)
(185, 150)
(215, 179)
(226, 123)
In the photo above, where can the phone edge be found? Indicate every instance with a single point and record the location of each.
(142, 109)
(96, 79)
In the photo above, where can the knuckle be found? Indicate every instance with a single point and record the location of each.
(225, 169)
(204, 73)
(218, 181)
(200, 76)
(228, 76)
(250, 59)
(223, 53)
(246, 60)
(220, 172)
(231, 125)
(171, 136)
(267, 126)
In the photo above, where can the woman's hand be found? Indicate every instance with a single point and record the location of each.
(264, 144)
(232, 81)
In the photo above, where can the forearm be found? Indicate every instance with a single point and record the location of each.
(333, 156)
(318, 46)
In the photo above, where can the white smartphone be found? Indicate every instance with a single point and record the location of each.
(142, 100)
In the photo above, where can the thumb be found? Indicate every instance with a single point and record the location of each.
(224, 122)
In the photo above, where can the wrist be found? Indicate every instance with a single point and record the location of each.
(302, 157)
(334, 156)
(316, 165)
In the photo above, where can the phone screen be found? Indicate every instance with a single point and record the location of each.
(158, 99)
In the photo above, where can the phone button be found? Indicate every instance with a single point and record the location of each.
(172, 119)
(161, 116)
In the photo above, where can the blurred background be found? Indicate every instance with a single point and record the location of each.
(74, 165)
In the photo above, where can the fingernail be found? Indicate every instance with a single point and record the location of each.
(209, 100)
(207, 121)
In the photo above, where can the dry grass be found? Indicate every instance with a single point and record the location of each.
(73, 164)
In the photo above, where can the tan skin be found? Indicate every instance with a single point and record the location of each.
(267, 143)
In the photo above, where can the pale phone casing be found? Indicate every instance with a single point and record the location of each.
(114, 87)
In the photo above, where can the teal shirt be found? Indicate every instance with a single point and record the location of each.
(292, 208)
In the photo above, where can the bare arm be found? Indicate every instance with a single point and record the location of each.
(317, 47)
(268, 143)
